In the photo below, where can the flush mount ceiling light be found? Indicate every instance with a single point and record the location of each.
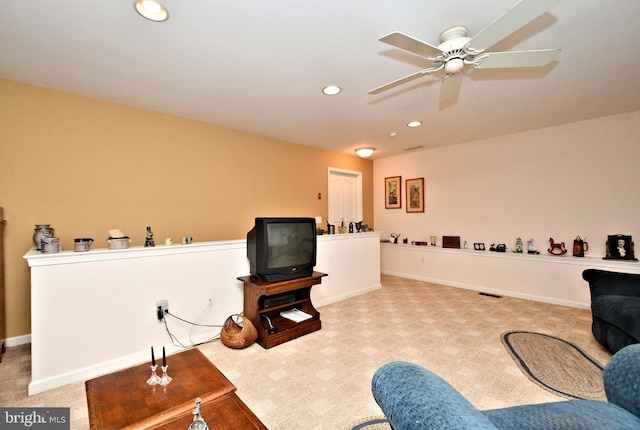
(151, 10)
(331, 90)
(414, 124)
(365, 152)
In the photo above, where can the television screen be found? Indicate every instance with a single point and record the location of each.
(289, 244)
(280, 249)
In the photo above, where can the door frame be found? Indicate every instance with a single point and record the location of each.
(358, 176)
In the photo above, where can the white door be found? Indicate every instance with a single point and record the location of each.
(345, 196)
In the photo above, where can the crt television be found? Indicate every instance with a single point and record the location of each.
(280, 249)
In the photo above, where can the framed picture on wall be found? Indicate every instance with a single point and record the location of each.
(393, 192)
(414, 190)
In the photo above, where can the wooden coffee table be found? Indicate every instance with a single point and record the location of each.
(124, 400)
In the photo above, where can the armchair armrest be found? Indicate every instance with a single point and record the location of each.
(622, 379)
(413, 398)
(603, 282)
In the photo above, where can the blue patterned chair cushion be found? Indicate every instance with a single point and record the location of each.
(414, 398)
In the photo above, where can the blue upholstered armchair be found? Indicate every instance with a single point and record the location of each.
(615, 307)
(413, 398)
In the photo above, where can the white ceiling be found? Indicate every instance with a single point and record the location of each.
(259, 65)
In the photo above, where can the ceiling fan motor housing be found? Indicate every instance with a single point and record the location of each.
(452, 42)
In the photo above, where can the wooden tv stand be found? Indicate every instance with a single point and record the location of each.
(268, 299)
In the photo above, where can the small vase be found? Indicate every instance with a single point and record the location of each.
(40, 232)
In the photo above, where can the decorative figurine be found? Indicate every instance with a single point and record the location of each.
(530, 248)
(198, 423)
(580, 247)
(149, 240)
(556, 248)
(351, 227)
(359, 226)
(330, 227)
(518, 247)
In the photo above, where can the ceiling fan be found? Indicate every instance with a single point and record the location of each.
(457, 50)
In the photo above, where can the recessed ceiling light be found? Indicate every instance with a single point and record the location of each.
(393, 134)
(331, 90)
(414, 124)
(152, 10)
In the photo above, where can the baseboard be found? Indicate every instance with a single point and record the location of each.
(105, 367)
(494, 291)
(17, 340)
(342, 297)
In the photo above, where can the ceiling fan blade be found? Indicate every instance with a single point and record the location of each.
(401, 81)
(450, 86)
(503, 60)
(520, 14)
(408, 43)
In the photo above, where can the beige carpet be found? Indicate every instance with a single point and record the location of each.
(322, 380)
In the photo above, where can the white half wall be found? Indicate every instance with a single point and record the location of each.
(94, 312)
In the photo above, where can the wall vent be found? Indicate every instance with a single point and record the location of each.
(413, 148)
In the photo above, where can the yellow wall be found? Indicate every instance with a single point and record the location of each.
(86, 166)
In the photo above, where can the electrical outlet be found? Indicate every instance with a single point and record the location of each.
(162, 307)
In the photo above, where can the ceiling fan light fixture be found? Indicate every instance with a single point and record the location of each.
(331, 90)
(453, 66)
(151, 10)
(414, 124)
(365, 152)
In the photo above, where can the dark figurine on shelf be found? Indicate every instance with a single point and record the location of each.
(351, 227)
(149, 240)
(331, 229)
(556, 248)
(501, 247)
(359, 226)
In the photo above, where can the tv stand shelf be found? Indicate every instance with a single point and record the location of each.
(295, 293)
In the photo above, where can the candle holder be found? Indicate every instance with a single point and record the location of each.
(154, 379)
(165, 379)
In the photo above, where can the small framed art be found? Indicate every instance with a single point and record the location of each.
(415, 194)
(393, 192)
(620, 247)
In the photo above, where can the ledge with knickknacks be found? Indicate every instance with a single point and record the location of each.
(618, 247)
(542, 277)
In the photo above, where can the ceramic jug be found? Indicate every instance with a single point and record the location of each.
(40, 232)
(579, 247)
